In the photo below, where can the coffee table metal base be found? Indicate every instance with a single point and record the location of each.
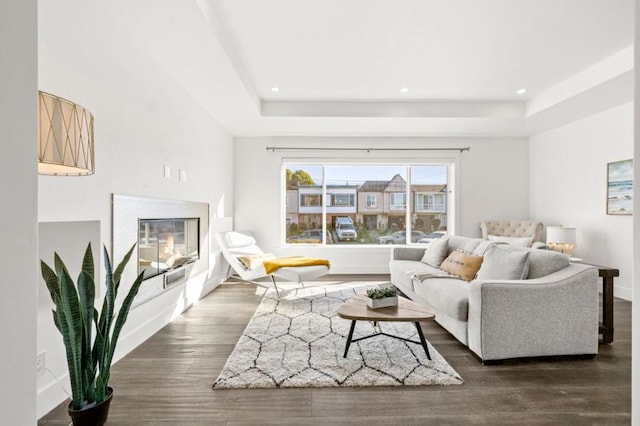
(422, 341)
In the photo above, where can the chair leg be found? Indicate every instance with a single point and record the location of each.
(275, 285)
(227, 275)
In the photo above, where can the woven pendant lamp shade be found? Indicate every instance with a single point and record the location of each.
(65, 137)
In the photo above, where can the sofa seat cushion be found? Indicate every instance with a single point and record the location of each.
(448, 295)
(403, 271)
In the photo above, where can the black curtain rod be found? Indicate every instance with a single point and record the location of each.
(291, 148)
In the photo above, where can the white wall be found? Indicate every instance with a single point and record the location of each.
(569, 187)
(143, 120)
(18, 189)
(492, 183)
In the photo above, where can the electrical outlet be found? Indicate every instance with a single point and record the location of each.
(41, 363)
(167, 171)
(183, 176)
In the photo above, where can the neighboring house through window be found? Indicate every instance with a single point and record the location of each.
(374, 199)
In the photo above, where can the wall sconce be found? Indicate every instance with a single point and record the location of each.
(561, 239)
(65, 138)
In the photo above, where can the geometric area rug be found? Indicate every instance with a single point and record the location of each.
(298, 341)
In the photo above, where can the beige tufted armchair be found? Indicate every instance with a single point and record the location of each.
(513, 231)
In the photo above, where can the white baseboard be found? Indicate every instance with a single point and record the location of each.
(622, 293)
(365, 269)
(53, 394)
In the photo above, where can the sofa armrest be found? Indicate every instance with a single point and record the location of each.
(407, 253)
(552, 315)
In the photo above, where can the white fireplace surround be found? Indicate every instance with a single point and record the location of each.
(127, 210)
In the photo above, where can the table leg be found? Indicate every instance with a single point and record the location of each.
(422, 340)
(346, 349)
(607, 309)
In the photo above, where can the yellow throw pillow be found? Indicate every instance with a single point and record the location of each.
(462, 265)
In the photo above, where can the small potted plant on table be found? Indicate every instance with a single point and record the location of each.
(88, 358)
(382, 297)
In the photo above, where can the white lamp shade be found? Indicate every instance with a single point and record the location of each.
(561, 235)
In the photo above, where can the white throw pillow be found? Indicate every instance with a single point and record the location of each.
(238, 239)
(252, 261)
(504, 264)
(436, 252)
(516, 241)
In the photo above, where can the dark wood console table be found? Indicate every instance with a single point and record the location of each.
(606, 326)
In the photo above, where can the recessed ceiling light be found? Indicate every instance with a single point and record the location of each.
(521, 91)
(275, 89)
(404, 90)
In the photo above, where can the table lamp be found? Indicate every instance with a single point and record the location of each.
(561, 239)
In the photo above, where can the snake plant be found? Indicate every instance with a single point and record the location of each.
(89, 359)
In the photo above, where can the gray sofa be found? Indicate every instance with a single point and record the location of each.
(551, 310)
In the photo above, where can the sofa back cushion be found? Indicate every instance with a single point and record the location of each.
(482, 247)
(542, 262)
(462, 265)
(466, 244)
(503, 264)
(436, 252)
(516, 241)
(474, 246)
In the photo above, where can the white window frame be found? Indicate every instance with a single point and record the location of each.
(451, 195)
(372, 201)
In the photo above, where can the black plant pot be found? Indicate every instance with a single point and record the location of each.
(92, 416)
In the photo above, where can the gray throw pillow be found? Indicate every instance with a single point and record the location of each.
(435, 254)
(501, 264)
(545, 262)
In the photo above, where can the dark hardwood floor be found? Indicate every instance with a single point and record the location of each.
(167, 381)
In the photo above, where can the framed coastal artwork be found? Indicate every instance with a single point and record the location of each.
(620, 187)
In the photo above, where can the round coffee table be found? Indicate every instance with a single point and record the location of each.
(356, 309)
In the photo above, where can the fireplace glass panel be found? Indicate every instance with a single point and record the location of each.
(166, 244)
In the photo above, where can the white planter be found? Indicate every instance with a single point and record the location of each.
(382, 303)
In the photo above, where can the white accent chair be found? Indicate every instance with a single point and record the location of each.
(235, 244)
(513, 229)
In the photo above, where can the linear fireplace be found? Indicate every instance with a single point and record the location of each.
(167, 244)
(172, 243)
